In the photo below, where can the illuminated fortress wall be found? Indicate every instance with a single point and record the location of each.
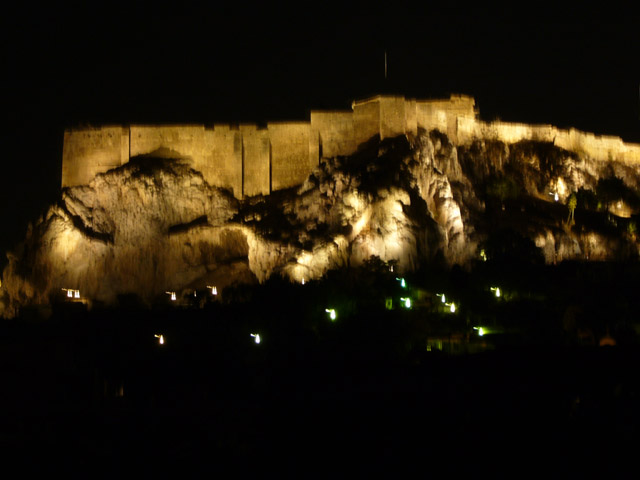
(292, 154)
(251, 160)
(255, 161)
(597, 147)
(334, 133)
(88, 152)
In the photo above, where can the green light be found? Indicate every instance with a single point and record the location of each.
(406, 301)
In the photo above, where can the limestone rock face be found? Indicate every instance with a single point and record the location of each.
(154, 225)
(145, 228)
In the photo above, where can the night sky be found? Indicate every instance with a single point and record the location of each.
(77, 65)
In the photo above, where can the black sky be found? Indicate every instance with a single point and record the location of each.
(105, 63)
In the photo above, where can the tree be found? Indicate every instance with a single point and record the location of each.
(503, 188)
(587, 199)
(610, 190)
(572, 202)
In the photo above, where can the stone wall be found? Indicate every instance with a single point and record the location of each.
(292, 158)
(168, 141)
(250, 160)
(366, 120)
(221, 164)
(597, 147)
(334, 131)
(443, 115)
(88, 152)
(256, 164)
(393, 120)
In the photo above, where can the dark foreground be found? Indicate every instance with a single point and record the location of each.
(105, 398)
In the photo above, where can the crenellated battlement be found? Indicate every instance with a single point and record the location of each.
(251, 160)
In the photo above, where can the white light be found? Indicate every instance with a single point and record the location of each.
(481, 331)
(303, 281)
(497, 290)
(555, 197)
(452, 307)
(160, 339)
(76, 293)
(406, 301)
(214, 289)
(69, 293)
(256, 337)
(331, 312)
(172, 295)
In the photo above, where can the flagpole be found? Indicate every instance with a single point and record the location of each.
(385, 64)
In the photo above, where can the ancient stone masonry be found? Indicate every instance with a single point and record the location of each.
(157, 226)
(250, 160)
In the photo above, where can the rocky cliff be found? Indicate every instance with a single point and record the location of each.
(155, 226)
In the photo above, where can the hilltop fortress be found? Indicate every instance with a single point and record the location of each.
(253, 160)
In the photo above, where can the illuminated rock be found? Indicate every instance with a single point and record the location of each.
(142, 228)
(154, 225)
